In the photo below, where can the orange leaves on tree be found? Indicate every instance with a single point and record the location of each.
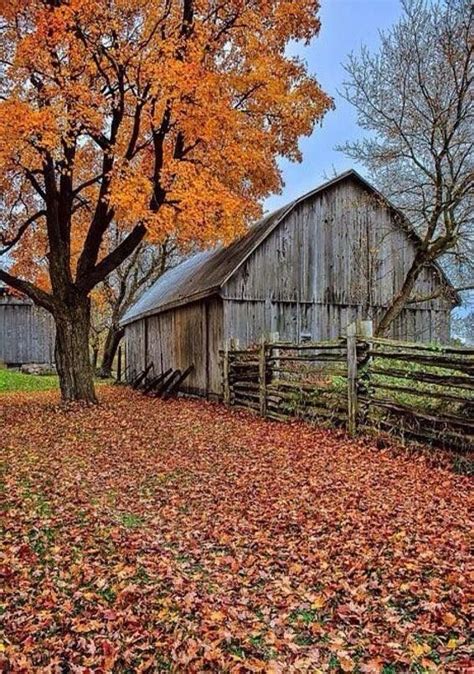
(197, 113)
(154, 119)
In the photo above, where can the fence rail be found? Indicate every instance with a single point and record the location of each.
(360, 383)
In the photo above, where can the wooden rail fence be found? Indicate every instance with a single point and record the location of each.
(360, 383)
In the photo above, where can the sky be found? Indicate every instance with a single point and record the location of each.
(345, 26)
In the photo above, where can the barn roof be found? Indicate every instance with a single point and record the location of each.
(8, 296)
(204, 274)
(201, 275)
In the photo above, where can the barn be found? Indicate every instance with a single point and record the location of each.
(306, 271)
(26, 331)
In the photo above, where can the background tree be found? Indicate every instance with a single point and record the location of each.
(116, 294)
(463, 327)
(414, 97)
(152, 116)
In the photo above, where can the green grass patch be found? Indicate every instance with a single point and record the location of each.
(12, 381)
(303, 615)
(130, 521)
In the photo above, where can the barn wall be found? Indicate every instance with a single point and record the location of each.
(178, 338)
(135, 348)
(26, 334)
(215, 323)
(337, 256)
(247, 320)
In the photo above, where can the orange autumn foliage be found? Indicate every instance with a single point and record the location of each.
(155, 118)
(92, 83)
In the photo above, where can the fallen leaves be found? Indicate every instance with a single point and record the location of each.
(449, 619)
(153, 536)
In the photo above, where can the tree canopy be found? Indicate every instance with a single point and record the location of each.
(156, 117)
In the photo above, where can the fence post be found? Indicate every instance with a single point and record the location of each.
(367, 329)
(352, 378)
(275, 354)
(226, 372)
(262, 376)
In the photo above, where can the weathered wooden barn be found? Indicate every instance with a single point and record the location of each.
(306, 271)
(26, 331)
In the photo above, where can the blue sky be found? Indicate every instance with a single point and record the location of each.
(345, 26)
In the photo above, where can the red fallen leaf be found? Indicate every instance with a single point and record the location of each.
(5, 571)
(110, 614)
(110, 655)
(25, 552)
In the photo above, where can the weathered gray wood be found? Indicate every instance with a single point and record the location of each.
(408, 411)
(156, 380)
(290, 395)
(27, 332)
(173, 389)
(447, 362)
(404, 345)
(335, 258)
(352, 379)
(226, 374)
(448, 381)
(119, 364)
(141, 377)
(262, 376)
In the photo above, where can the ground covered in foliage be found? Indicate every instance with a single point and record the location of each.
(150, 536)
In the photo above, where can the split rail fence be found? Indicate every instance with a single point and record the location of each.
(360, 383)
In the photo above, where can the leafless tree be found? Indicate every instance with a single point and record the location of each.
(121, 289)
(414, 98)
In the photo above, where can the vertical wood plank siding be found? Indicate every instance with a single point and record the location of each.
(189, 335)
(337, 257)
(26, 333)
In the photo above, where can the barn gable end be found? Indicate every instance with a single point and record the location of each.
(338, 255)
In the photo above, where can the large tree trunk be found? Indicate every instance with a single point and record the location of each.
(72, 351)
(112, 341)
(401, 298)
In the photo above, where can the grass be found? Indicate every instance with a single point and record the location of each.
(12, 380)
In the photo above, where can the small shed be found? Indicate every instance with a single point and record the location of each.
(26, 331)
(337, 254)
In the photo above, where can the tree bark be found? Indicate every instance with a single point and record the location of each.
(72, 351)
(95, 357)
(112, 341)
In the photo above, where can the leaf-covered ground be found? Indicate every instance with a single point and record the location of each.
(150, 536)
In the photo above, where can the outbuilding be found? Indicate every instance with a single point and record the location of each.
(337, 254)
(26, 331)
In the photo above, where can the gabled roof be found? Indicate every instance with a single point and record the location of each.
(9, 296)
(204, 274)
